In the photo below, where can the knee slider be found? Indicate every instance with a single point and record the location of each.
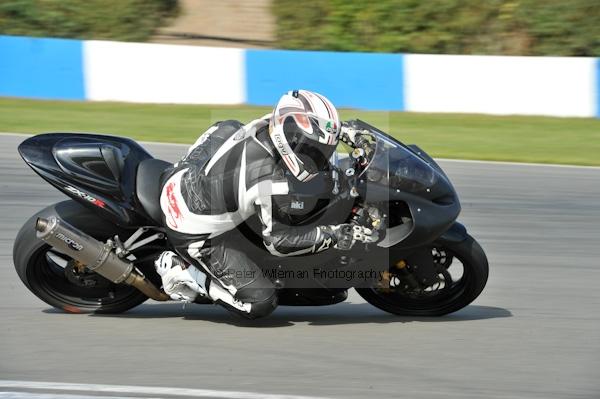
(262, 308)
(263, 301)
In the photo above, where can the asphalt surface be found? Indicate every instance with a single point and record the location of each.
(533, 333)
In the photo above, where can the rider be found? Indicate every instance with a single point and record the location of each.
(232, 172)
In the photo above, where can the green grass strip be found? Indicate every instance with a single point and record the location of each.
(501, 138)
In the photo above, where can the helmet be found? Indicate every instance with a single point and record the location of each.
(304, 128)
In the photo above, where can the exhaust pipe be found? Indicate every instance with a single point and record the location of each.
(97, 256)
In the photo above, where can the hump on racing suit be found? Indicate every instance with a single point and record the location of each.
(228, 175)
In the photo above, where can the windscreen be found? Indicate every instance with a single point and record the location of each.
(393, 164)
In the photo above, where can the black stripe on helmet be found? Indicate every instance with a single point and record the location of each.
(306, 103)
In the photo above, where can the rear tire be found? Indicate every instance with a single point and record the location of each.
(38, 268)
(473, 281)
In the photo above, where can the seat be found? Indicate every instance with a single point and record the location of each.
(148, 184)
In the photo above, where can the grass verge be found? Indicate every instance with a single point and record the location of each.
(502, 138)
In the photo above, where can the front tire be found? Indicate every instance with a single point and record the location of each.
(457, 295)
(48, 274)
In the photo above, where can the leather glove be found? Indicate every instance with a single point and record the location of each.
(347, 234)
(355, 139)
(364, 234)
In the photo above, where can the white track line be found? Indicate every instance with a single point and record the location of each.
(17, 134)
(139, 390)
(550, 165)
(31, 395)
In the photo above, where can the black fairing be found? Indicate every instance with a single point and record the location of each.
(420, 199)
(429, 219)
(98, 171)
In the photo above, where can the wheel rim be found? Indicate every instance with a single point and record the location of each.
(48, 274)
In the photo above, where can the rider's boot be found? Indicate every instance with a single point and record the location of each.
(184, 282)
(181, 282)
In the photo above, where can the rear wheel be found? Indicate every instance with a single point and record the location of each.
(60, 281)
(462, 269)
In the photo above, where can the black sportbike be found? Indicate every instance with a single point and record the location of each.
(96, 251)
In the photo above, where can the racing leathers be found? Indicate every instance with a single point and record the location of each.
(228, 175)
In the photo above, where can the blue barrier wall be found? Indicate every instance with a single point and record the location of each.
(41, 68)
(361, 80)
(102, 70)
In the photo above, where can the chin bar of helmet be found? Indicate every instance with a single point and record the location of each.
(96, 256)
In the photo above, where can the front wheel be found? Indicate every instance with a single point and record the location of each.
(462, 274)
(56, 278)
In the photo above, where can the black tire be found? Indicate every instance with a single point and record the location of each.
(472, 283)
(45, 279)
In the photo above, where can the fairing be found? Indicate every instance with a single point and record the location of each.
(420, 200)
(95, 170)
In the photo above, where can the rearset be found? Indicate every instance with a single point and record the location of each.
(123, 249)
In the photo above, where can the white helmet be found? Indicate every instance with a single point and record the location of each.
(305, 128)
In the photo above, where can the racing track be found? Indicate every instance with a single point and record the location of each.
(534, 333)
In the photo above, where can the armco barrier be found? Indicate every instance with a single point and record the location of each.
(41, 68)
(371, 81)
(117, 71)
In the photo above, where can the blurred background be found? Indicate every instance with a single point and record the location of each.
(502, 80)
(514, 80)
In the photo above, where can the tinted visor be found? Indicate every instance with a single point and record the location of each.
(313, 154)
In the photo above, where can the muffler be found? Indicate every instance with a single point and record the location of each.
(97, 256)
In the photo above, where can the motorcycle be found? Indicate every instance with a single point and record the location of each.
(96, 251)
